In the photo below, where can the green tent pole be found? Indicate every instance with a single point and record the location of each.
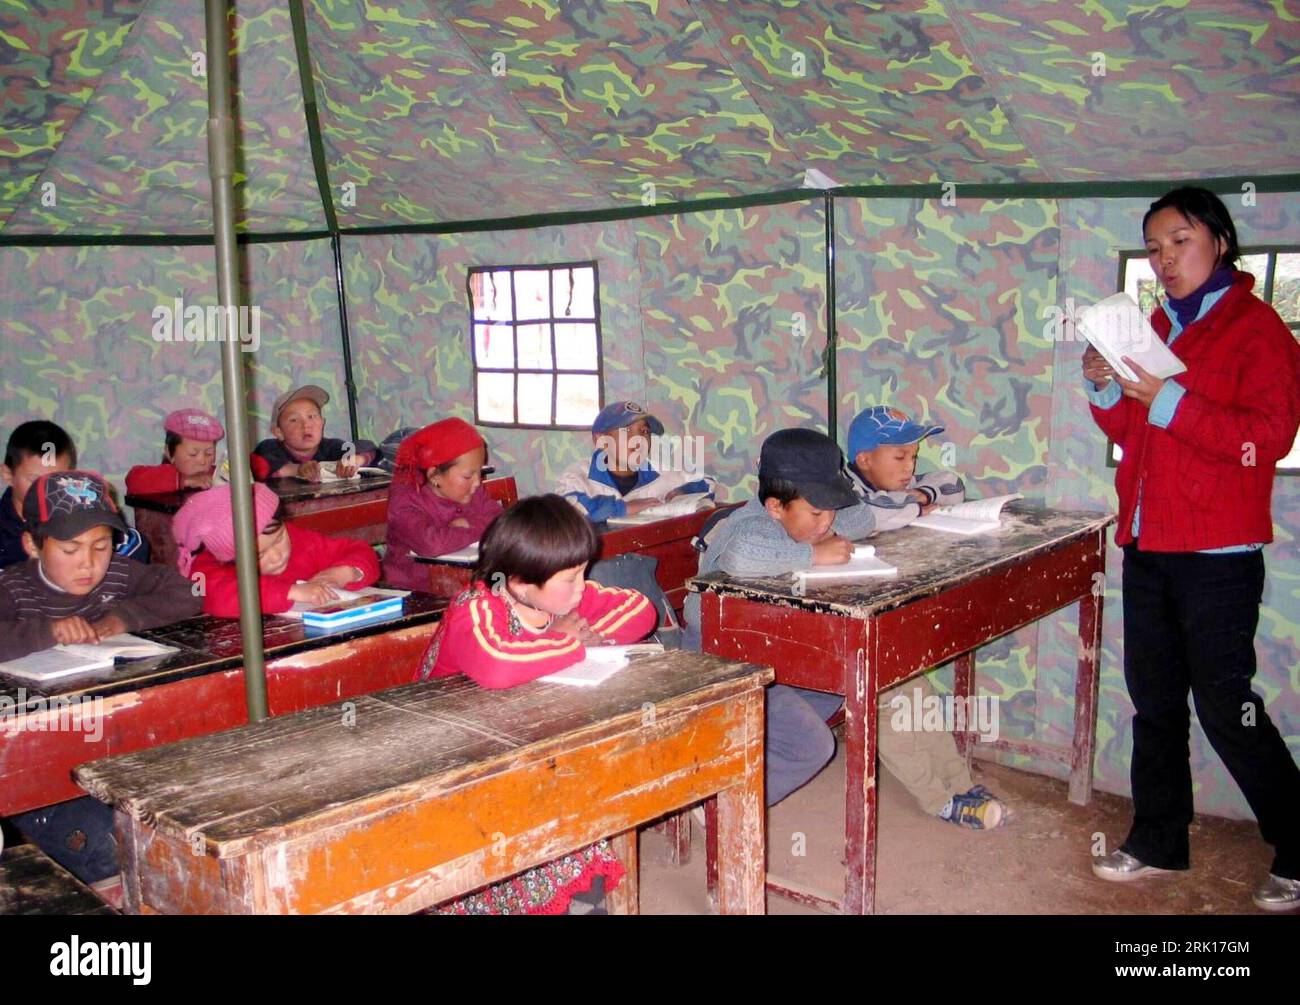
(221, 167)
(832, 339)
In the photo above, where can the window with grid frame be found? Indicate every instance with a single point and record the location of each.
(1277, 282)
(536, 345)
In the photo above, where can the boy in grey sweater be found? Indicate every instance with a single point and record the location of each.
(807, 514)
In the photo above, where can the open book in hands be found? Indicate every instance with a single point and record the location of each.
(977, 516)
(1116, 328)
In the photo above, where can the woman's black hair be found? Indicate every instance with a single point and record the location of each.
(170, 442)
(533, 540)
(1202, 206)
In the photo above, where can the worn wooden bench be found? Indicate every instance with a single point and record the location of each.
(32, 883)
(424, 793)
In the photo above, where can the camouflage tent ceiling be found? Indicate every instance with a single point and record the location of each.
(437, 112)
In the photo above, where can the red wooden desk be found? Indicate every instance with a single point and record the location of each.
(669, 541)
(197, 690)
(951, 596)
(437, 789)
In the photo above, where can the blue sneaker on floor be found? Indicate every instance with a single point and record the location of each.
(979, 809)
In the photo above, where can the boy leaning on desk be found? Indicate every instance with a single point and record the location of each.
(806, 513)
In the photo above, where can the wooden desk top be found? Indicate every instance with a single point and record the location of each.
(291, 490)
(208, 645)
(243, 788)
(928, 562)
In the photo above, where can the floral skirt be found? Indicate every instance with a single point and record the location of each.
(546, 889)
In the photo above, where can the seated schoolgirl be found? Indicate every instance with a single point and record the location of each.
(296, 564)
(437, 503)
(189, 457)
(530, 610)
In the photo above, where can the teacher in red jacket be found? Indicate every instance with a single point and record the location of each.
(1194, 489)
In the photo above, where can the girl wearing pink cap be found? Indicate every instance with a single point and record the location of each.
(189, 455)
(296, 564)
(437, 503)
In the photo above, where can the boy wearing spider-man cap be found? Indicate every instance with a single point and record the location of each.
(73, 587)
(882, 450)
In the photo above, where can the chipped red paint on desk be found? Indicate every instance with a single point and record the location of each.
(952, 595)
(198, 690)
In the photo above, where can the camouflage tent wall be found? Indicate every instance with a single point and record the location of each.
(437, 114)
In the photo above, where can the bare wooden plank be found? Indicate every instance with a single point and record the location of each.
(32, 883)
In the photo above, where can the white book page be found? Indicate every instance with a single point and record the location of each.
(467, 555)
(863, 563)
(982, 510)
(680, 506)
(378, 593)
(1116, 327)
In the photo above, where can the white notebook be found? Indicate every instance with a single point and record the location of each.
(863, 564)
(978, 516)
(601, 663)
(467, 555)
(1116, 328)
(681, 506)
(67, 661)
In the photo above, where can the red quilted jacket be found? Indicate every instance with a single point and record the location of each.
(1198, 487)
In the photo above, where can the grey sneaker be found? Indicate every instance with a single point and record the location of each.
(1121, 867)
(1278, 894)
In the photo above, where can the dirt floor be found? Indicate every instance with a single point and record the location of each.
(1038, 863)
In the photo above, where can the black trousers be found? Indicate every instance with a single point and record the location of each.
(1189, 625)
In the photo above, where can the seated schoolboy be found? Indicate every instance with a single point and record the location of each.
(530, 610)
(298, 443)
(437, 502)
(39, 448)
(74, 588)
(619, 480)
(189, 459)
(806, 514)
(883, 448)
(295, 564)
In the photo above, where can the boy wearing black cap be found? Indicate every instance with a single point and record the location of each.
(73, 588)
(807, 514)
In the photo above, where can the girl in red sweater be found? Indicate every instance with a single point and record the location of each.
(296, 564)
(1194, 490)
(189, 458)
(531, 612)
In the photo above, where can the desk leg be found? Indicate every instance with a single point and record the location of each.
(741, 822)
(711, 850)
(963, 686)
(677, 829)
(860, 697)
(626, 897)
(1085, 692)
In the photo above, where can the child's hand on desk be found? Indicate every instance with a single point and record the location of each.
(109, 625)
(73, 631)
(835, 550)
(637, 505)
(576, 627)
(309, 470)
(197, 482)
(343, 469)
(336, 575)
(312, 593)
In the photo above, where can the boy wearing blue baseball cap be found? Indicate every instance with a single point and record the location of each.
(883, 446)
(619, 479)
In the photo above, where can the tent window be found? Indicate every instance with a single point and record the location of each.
(535, 332)
(1277, 282)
